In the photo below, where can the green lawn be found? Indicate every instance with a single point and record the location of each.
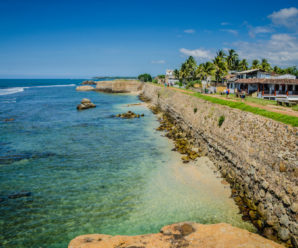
(287, 119)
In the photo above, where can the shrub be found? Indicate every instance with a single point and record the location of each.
(145, 77)
(221, 120)
(154, 81)
(195, 110)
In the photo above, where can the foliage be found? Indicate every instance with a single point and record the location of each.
(195, 110)
(154, 81)
(219, 67)
(161, 76)
(221, 120)
(145, 77)
(291, 120)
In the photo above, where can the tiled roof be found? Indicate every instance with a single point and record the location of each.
(267, 81)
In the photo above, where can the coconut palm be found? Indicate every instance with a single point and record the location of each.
(255, 64)
(220, 53)
(243, 65)
(231, 59)
(221, 68)
(265, 66)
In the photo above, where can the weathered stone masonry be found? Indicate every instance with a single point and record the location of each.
(257, 155)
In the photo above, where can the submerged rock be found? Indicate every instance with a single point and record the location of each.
(85, 104)
(19, 195)
(129, 115)
(190, 235)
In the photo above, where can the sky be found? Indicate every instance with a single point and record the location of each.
(83, 39)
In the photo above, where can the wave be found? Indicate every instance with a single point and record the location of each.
(49, 86)
(9, 91)
(14, 90)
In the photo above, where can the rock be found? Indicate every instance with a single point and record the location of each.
(294, 207)
(85, 88)
(85, 104)
(89, 82)
(191, 235)
(129, 115)
(9, 119)
(186, 229)
(284, 220)
(283, 233)
(19, 195)
(282, 167)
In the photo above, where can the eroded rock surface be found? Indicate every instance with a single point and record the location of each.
(85, 88)
(85, 104)
(179, 235)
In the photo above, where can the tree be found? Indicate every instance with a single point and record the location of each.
(176, 73)
(231, 59)
(188, 68)
(221, 68)
(220, 53)
(277, 70)
(265, 66)
(204, 70)
(145, 77)
(243, 65)
(255, 64)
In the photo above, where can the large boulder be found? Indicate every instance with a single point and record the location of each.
(190, 235)
(85, 88)
(85, 104)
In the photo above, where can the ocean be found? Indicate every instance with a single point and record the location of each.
(88, 172)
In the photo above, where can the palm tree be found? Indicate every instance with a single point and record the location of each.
(220, 53)
(265, 66)
(277, 70)
(176, 73)
(243, 65)
(221, 68)
(231, 59)
(204, 70)
(255, 64)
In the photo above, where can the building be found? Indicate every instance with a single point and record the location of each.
(267, 85)
(170, 77)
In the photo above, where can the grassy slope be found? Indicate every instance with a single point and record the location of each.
(291, 120)
(287, 119)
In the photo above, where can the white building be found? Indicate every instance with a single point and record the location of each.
(170, 77)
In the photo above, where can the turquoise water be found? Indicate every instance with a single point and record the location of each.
(90, 173)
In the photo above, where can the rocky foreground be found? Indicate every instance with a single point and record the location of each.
(179, 235)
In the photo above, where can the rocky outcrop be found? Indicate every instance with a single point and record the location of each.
(179, 235)
(89, 82)
(129, 115)
(85, 88)
(85, 104)
(257, 156)
(119, 86)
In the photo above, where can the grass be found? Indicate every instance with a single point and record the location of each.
(259, 101)
(287, 119)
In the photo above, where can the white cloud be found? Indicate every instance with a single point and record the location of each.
(231, 31)
(224, 24)
(287, 17)
(197, 53)
(280, 49)
(158, 62)
(253, 31)
(189, 31)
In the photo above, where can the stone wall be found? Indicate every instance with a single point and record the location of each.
(257, 156)
(119, 86)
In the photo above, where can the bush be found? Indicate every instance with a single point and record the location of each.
(154, 81)
(221, 120)
(145, 77)
(195, 110)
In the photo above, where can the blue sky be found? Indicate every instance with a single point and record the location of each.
(80, 39)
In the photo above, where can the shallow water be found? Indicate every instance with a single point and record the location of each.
(90, 173)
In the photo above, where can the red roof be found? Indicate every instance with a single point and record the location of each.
(267, 81)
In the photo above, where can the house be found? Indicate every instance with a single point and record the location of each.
(170, 77)
(267, 85)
